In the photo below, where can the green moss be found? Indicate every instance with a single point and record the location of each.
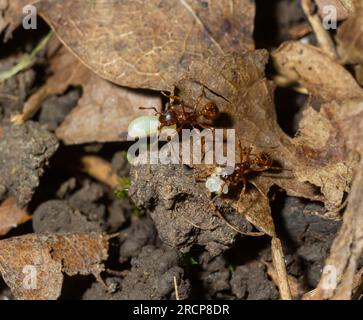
(121, 191)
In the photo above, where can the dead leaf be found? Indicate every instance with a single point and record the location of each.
(349, 38)
(343, 7)
(48, 256)
(238, 85)
(108, 108)
(324, 77)
(149, 44)
(321, 33)
(348, 245)
(256, 209)
(11, 216)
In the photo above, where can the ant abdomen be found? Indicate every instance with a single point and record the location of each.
(210, 111)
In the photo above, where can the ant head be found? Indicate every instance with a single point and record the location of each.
(168, 117)
(210, 111)
(264, 160)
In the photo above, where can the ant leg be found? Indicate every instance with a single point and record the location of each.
(240, 150)
(150, 108)
(171, 97)
(243, 191)
(279, 168)
(252, 234)
(198, 100)
(182, 104)
(220, 192)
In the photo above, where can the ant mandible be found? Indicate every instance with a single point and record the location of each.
(179, 116)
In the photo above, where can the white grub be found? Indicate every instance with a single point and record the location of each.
(214, 183)
(145, 126)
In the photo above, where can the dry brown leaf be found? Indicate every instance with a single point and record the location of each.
(324, 77)
(107, 109)
(348, 245)
(350, 38)
(50, 254)
(149, 43)
(11, 216)
(343, 7)
(321, 33)
(104, 111)
(238, 86)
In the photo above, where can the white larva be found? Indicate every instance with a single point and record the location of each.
(145, 126)
(214, 183)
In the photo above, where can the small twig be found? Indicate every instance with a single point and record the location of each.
(100, 169)
(31, 106)
(322, 35)
(279, 263)
(293, 282)
(176, 289)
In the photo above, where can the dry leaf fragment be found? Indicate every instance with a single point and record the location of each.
(349, 38)
(107, 108)
(322, 34)
(149, 43)
(324, 77)
(46, 256)
(348, 245)
(11, 216)
(343, 7)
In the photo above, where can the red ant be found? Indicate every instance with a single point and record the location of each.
(248, 163)
(177, 114)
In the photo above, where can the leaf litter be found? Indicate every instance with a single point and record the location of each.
(211, 47)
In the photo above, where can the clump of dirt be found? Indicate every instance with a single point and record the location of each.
(55, 109)
(59, 216)
(152, 275)
(181, 209)
(24, 153)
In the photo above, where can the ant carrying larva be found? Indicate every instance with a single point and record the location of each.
(219, 182)
(177, 115)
